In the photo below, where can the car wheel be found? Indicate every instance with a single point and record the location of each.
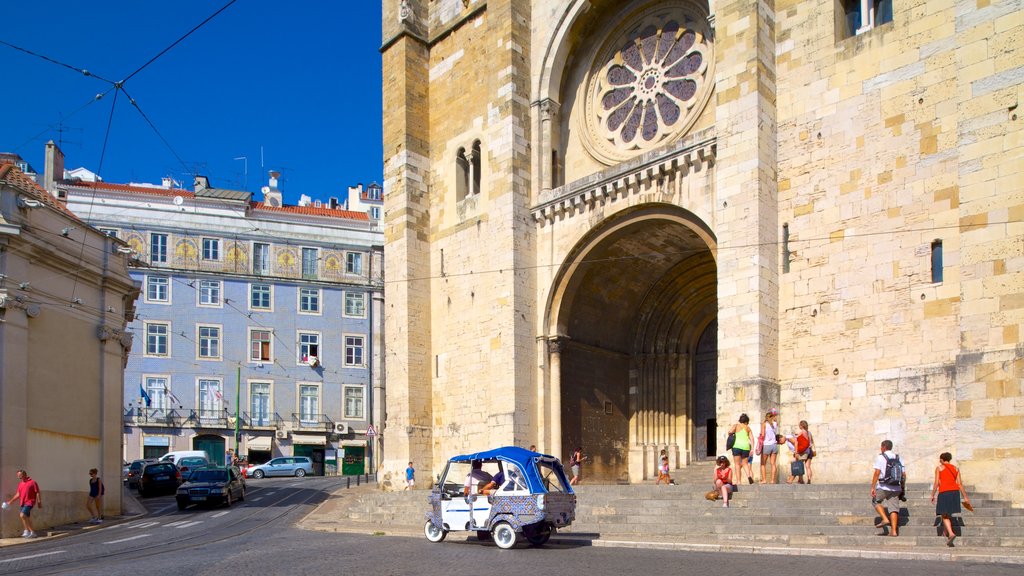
(300, 473)
(504, 535)
(241, 495)
(433, 533)
(537, 534)
(257, 474)
(227, 499)
(182, 505)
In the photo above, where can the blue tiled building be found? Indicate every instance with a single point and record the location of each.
(254, 316)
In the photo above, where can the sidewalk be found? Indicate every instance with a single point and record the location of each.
(131, 508)
(335, 515)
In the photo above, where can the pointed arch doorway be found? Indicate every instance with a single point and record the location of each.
(633, 322)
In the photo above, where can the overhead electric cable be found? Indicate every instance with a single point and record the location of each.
(81, 71)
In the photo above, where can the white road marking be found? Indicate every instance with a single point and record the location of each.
(257, 499)
(219, 514)
(127, 539)
(178, 523)
(146, 525)
(189, 524)
(41, 554)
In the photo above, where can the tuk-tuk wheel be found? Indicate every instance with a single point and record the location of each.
(433, 533)
(504, 535)
(537, 534)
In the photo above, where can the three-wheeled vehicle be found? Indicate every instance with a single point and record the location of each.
(500, 494)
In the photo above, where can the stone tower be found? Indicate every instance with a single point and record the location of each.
(621, 223)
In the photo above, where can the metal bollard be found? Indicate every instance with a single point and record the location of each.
(348, 482)
(357, 480)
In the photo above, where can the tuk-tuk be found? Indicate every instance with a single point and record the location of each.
(500, 494)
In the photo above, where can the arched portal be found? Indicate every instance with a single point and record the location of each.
(629, 310)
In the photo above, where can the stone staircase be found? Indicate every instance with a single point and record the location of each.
(829, 516)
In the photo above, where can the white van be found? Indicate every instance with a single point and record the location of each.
(173, 457)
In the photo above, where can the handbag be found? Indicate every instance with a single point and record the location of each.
(730, 441)
(759, 446)
(796, 468)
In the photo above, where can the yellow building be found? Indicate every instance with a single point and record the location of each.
(620, 224)
(65, 300)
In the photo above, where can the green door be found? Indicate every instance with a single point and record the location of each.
(214, 446)
(354, 461)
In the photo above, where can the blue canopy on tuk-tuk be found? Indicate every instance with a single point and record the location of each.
(525, 459)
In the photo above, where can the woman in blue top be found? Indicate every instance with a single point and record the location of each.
(94, 503)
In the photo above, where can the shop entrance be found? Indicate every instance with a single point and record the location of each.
(355, 461)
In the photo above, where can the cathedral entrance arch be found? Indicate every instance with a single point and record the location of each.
(627, 316)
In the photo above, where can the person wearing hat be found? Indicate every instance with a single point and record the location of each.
(769, 443)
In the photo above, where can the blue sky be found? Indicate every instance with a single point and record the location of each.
(301, 79)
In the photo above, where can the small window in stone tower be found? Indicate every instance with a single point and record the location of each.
(854, 17)
(474, 167)
(461, 175)
(937, 261)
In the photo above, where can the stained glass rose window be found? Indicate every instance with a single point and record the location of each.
(649, 83)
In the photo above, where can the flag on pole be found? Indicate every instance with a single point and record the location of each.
(173, 398)
(145, 396)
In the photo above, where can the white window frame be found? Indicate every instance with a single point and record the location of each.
(217, 403)
(362, 349)
(298, 401)
(145, 334)
(214, 246)
(167, 285)
(319, 301)
(344, 402)
(220, 294)
(268, 309)
(316, 263)
(161, 400)
(300, 347)
(271, 347)
(219, 339)
(155, 256)
(112, 232)
(354, 260)
(344, 306)
(270, 402)
(261, 271)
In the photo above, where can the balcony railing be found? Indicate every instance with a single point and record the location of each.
(263, 421)
(318, 422)
(220, 419)
(140, 416)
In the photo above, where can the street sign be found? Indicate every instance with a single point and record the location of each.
(371, 431)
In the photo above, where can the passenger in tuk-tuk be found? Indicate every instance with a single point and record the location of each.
(477, 479)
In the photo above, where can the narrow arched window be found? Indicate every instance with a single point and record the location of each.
(937, 261)
(475, 167)
(461, 175)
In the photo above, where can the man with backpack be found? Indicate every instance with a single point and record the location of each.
(887, 486)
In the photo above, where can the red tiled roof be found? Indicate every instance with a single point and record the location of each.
(16, 178)
(156, 191)
(312, 211)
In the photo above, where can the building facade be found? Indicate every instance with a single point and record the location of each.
(258, 326)
(66, 298)
(621, 224)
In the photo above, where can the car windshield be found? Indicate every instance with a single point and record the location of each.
(160, 469)
(209, 476)
(192, 462)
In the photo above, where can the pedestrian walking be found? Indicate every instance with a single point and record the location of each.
(94, 502)
(29, 497)
(410, 477)
(769, 447)
(887, 484)
(663, 472)
(741, 446)
(950, 488)
(576, 465)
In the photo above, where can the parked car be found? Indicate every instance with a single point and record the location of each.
(211, 487)
(284, 466)
(124, 471)
(511, 491)
(135, 471)
(188, 464)
(176, 455)
(159, 478)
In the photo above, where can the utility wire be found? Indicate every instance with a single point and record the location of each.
(81, 71)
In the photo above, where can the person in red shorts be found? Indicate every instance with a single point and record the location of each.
(28, 495)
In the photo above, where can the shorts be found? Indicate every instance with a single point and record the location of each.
(576, 470)
(769, 449)
(889, 499)
(741, 452)
(410, 481)
(27, 510)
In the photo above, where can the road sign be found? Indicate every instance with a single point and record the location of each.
(371, 431)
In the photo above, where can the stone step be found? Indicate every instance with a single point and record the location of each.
(659, 527)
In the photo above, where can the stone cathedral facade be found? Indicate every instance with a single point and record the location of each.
(619, 224)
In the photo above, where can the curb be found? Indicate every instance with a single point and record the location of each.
(63, 530)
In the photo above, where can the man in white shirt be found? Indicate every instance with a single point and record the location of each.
(476, 478)
(885, 495)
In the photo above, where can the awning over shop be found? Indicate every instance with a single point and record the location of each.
(309, 440)
(259, 443)
(156, 441)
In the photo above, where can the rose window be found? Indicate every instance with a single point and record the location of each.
(649, 85)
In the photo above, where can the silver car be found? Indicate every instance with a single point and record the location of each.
(283, 466)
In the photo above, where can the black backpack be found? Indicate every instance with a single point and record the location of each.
(894, 472)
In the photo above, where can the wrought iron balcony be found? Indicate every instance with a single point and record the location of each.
(141, 416)
(318, 422)
(263, 421)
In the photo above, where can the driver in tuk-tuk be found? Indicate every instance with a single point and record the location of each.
(477, 478)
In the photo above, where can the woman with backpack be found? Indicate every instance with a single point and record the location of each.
(947, 483)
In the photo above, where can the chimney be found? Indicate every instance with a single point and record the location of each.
(333, 203)
(202, 183)
(53, 172)
(167, 182)
(271, 195)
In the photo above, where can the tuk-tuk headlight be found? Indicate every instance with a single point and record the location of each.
(540, 501)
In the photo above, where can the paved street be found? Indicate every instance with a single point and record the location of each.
(258, 537)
